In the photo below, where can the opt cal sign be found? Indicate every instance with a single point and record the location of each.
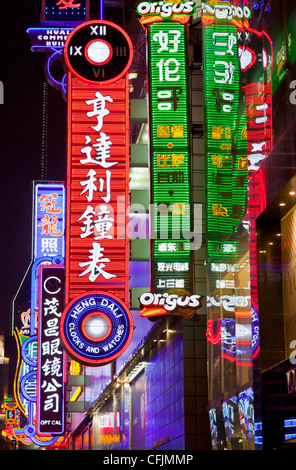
(51, 374)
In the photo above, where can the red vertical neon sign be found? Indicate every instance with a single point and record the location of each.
(98, 55)
(97, 188)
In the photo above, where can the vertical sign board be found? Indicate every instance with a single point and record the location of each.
(97, 246)
(51, 374)
(257, 63)
(169, 143)
(98, 55)
(98, 162)
(49, 224)
(225, 124)
(49, 248)
(33, 341)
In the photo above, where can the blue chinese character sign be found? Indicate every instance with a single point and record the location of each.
(49, 220)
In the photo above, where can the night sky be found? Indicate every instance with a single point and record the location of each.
(22, 74)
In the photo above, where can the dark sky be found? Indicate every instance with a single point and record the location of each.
(22, 74)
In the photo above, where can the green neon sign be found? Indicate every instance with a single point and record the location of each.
(169, 155)
(225, 136)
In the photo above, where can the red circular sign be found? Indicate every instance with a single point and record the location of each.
(98, 52)
(96, 327)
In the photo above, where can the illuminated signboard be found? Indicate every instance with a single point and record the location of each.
(48, 39)
(226, 135)
(49, 224)
(98, 174)
(10, 412)
(256, 62)
(174, 302)
(98, 55)
(48, 248)
(158, 11)
(51, 356)
(98, 52)
(169, 147)
(109, 423)
(96, 328)
(97, 246)
(64, 11)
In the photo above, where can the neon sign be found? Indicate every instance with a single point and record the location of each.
(48, 249)
(169, 303)
(226, 130)
(158, 11)
(64, 11)
(225, 11)
(169, 144)
(51, 356)
(48, 39)
(98, 52)
(49, 224)
(98, 55)
(97, 248)
(97, 172)
(96, 328)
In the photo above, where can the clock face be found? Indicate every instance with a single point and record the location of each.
(98, 52)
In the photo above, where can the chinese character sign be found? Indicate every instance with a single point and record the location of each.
(169, 143)
(97, 245)
(49, 223)
(51, 360)
(64, 11)
(226, 133)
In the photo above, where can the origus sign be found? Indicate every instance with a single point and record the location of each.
(158, 11)
(175, 302)
(98, 55)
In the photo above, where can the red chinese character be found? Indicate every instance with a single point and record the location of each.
(67, 4)
(48, 202)
(49, 226)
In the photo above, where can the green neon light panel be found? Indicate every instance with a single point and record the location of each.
(169, 154)
(225, 136)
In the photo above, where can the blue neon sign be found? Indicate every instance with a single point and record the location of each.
(49, 220)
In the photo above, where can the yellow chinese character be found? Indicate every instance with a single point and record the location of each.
(244, 134)
(177, 132)
(162, 160)
(217, 160)
(75, 368)
(178, 208)
(226, 147)
(217, 133)
(177, 159)
(163, 131)
(227, 132)
(218, 210)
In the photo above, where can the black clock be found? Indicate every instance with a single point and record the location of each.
(98, 52)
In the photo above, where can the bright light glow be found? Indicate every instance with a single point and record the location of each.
(98, 52)
(96, 326)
